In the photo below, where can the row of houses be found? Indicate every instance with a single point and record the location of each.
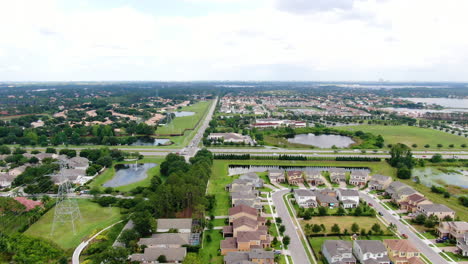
(411, 201)
(327, 198)
(314, 177)
(75, 169)
(243, 190)
(396, 251)
(171, 240)
(275, 123)
(456, 230)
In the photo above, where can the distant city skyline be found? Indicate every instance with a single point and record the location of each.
(190, 40)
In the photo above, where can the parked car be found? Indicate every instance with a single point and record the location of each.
(404, 235)
(370, 204)
(380, 213)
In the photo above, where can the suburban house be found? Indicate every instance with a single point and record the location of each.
(294, 177)
(411, 202)
(245, 234)
(379, 182)
(151, 255)
(349, 198)
(17, 171)
(439, 210)
(398, 191)
(259, 256)
(231, 137)
(165, 240)
(78, 163)
(249, 198)
(337, 175)
(327, 198)
(314, 177)
(276, 176)
(305, 198)
(240, 185)
(452, 229)
(6, 180)
(338, 252)
(462, 245)
(242, 211)
(370, 252)
(182, 225)
(359, 178)
(253, 178)
(401, 251)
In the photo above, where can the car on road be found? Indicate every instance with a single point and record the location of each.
(404, 235)
(370, 204)
(380, 213)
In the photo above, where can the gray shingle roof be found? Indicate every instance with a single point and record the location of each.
(371, 246)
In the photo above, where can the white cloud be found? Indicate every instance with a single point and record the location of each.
(337, 40)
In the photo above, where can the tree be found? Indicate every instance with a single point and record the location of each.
(307, 215)
(281, 229)
(355, 228)
(162, 259)
(192, 258)
(419, 219)
(401, 156)
(358, 211)
(112, 255)
(127, 236)
(404, 173)
(376, 228)
(335, 229)
(436, 158)
(316, 228)
(143, 223)
(341, 211)
(278, 220)
(322, 211)
(286, 241)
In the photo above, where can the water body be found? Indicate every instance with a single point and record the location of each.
(322, 141)
(241, 169)
(149, 141)
(422, 111)
(183, 113)
(432, 176)
(445, 102)
(129, 173)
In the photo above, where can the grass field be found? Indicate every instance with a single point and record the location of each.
(209, 251)
(109, 173)
(186, 122)
(344, 222)
(410, 135)
(93, 218)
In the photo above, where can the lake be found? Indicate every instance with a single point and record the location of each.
(129, 173)
(432, 176)
(183, 113)
(241, 169)
(322, 141)
(149, 141)
(445, 102)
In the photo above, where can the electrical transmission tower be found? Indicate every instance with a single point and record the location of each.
(66, 209)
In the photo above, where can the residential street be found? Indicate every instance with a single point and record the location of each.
(298, 252)
(403, 229)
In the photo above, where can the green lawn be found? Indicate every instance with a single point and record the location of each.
(210, 250)
(93, 218)
(109, 173)
(410, 135)
(179, 124)
(218, 222)
(344, 222)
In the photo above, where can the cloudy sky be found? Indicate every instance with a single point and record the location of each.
(338, 40)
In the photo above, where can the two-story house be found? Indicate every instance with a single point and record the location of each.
(337, 175)
(314, 177)
(359, 178)
(441, 211)
(305, 198)
(276, 176)
(294, 177)
(348, 198)
(338, 252)
(379, 182)
(452, 229)
(401, 251)
(370, 252)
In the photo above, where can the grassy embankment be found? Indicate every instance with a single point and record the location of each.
(93, 218)
(410, 135)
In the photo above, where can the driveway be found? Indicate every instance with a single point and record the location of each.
(403, 229)
(296, 249)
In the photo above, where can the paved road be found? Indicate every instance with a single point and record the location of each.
(79, 249)
(298, 252)
(403, 229)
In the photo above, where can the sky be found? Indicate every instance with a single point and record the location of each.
(179, 40)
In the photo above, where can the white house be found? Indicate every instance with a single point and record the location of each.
(349, 198)
(370, 251)
(305, 198)
(182, 225)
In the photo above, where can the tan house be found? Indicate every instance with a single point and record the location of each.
(242, 211)
(314, 177)
(295, 177)
(379, 182)
(410, 203)
(276, 176)
(452, 229)
(439, 210)
(359, 178)
(401, 251)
